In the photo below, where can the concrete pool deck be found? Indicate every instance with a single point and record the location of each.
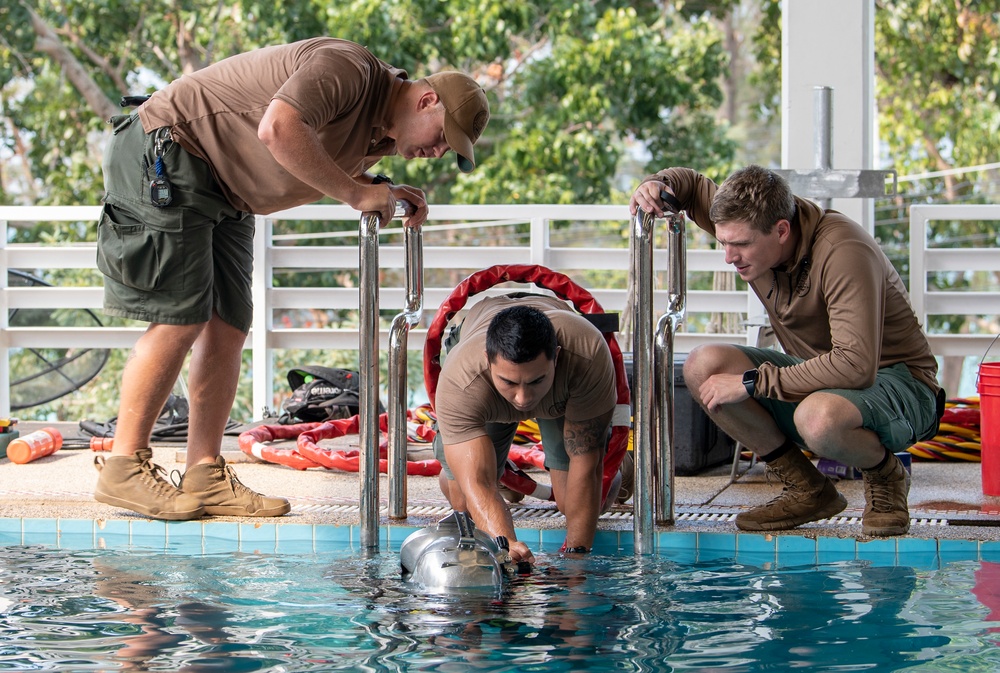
(946, 499)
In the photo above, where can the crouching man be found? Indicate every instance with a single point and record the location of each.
(856, 381)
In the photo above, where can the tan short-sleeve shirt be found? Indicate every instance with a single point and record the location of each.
(584, 385)
(340, 89)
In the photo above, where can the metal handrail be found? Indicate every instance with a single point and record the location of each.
(652, 397)
(368, 458)
(408, 318)
(663, 363)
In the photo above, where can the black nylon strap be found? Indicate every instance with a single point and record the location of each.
(671, 201)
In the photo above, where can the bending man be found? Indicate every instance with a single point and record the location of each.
(523, 357)
(258, 132)
(856, 381)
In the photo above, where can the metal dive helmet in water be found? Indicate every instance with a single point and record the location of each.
(453, 554)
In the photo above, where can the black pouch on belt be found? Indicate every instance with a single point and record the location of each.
(133, 101)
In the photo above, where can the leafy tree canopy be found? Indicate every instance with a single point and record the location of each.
(573, 84)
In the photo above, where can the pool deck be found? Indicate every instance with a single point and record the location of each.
(946, 499)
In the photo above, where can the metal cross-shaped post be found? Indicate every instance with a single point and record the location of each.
(823, 182)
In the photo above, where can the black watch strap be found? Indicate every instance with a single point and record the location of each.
(750, 377)
(382, 179)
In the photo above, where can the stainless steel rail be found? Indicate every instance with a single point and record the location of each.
(368, 369)
(398, 389)
(652, 395)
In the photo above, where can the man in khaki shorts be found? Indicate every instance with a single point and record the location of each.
(186, 173)
(522, 357)
(857, 381)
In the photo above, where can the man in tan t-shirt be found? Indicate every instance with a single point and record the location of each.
(522, 357)
(252, 134)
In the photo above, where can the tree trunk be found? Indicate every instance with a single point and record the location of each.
(48, 42)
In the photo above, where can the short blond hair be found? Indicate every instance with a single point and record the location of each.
(755, 195)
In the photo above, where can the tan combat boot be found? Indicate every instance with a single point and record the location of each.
(136, 483)
(216, 486)
(886, 512)
(807, 495)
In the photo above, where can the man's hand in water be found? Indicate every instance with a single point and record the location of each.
(519, 552)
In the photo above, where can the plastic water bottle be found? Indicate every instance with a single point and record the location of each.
(34, 445)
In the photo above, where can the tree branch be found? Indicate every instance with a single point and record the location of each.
(48, 42)
(95, 58)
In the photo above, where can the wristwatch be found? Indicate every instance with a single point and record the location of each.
(750, 377)
(380, 179)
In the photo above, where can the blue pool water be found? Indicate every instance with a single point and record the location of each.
(149, 609)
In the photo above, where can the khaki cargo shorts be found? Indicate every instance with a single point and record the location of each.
(898, 408)
(502, 436)
(179, 263)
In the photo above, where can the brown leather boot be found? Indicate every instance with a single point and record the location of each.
(886, 490)
(808, 495)
(137, 483)
(216, 486)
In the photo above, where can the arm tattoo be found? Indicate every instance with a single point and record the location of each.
(586, 436)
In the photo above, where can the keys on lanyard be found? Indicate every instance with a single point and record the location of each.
(160, 192)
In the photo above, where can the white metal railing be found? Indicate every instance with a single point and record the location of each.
(925, 259)
(273, 255)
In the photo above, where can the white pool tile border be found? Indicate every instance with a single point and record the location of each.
(209, 537)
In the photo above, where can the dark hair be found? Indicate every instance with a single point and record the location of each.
(519, 334)
(755, 195)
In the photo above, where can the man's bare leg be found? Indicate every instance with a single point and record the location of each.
(807, 495)
(150, 374)
(129, 478)
(213, 378)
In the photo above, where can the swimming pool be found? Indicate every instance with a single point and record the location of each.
(148, 603)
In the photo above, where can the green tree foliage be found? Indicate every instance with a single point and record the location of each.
(938, 80)
(574, 86)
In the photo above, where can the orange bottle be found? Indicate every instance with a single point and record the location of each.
(34, 445)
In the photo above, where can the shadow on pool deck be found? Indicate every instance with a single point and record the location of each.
(946, 499)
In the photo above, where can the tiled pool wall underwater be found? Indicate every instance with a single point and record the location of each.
(195, 537)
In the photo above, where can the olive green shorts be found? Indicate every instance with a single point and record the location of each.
(898, 408)
(178, 263)
(502, 435)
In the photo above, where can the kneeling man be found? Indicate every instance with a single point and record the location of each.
(521, 357)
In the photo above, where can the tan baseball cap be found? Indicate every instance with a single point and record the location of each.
(466, 113)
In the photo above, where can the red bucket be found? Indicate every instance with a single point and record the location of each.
(989, 425)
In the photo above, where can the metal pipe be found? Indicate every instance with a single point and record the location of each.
(663, 361)
(641, 253)
(368, 458)
(368, 365)
(398, 391)
(823, 131)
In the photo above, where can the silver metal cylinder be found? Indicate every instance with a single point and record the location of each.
(823, 131)
(368, 366)
(398, 390)
(641, 251)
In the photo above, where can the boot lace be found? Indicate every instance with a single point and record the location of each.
(155, 477)
(791, 490)
(238, 487)
(878, 495)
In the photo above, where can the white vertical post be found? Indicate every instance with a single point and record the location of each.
(263, 321)
(830, 43)
(4, 324)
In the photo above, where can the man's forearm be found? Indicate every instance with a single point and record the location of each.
(582, 502)
(490, 512)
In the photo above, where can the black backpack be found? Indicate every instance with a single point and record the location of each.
(322, 394)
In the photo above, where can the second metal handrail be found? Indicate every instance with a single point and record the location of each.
(369, 436)
(652, 394)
